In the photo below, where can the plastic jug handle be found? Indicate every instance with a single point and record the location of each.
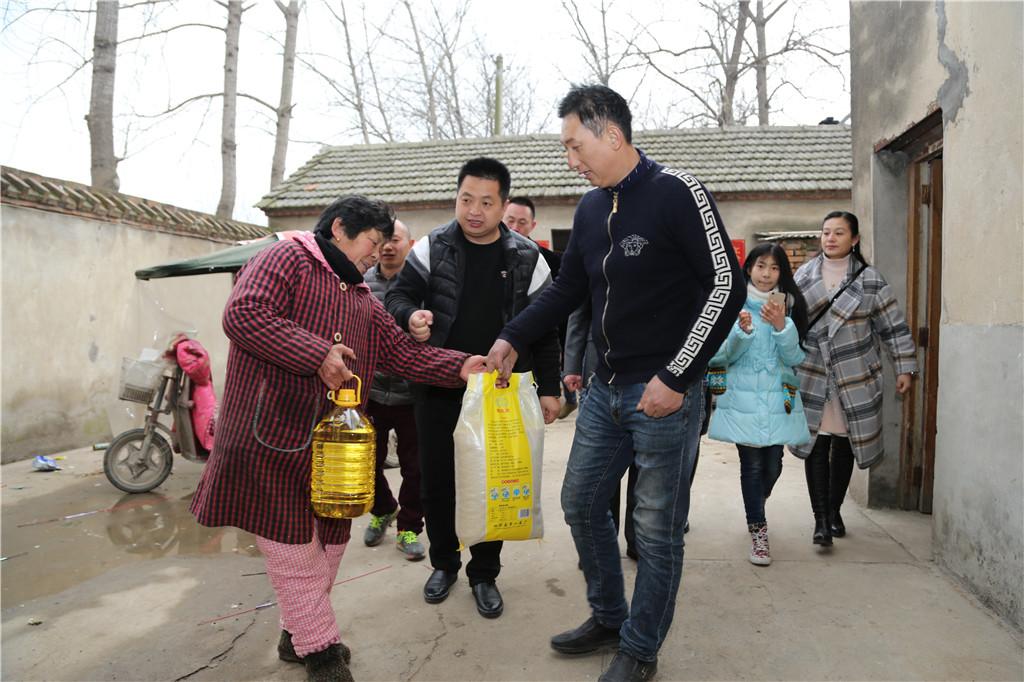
(333, 395)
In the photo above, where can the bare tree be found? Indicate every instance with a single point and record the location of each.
(810, 41)
(447, 43)
(229, 113)
(429, 76)
(105, 42)
(382, 110)
(709, 71)
(357, 89)
(100, 118)
(605, 52)
(284, 105)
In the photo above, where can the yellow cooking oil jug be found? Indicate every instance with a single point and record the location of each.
(344, 458)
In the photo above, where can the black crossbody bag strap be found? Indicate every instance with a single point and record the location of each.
(821, 313)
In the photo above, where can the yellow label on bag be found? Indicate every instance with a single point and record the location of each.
(509, 466)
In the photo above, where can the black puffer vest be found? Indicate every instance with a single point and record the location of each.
(447, 271)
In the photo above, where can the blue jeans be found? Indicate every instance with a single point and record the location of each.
(610, 435)
(760, 468)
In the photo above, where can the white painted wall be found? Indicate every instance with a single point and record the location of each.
(906, 60)
(72, 308)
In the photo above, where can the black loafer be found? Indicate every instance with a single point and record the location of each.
(438, 585)
(625, 668)
(488, 600)
(591, 636)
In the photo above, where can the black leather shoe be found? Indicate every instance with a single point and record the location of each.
(835, 522)
(286, 650)
(488, 600)
(591, 636)
(438, 585)
(822, 532)
(625, 668)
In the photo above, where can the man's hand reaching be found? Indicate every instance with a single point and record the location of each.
(502, 357)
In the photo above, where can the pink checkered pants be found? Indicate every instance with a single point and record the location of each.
(302, 577)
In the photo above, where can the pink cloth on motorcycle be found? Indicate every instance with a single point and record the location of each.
(195, 361)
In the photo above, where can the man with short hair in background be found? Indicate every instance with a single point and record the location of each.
(521, 217)
(391, 408)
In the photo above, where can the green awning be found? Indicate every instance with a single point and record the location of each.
(226, 260)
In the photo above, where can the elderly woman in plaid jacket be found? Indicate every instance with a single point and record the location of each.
(301, 321)
(853, 311)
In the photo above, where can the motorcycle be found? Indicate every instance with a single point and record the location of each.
(140, 459)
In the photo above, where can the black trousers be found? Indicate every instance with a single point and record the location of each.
(436, 417)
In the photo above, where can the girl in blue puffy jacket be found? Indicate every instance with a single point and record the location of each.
(760, 410)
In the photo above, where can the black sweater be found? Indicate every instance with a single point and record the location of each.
(661, 274)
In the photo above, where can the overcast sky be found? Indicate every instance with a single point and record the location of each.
(177, 159)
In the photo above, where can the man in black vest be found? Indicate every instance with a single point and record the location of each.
(460, 285)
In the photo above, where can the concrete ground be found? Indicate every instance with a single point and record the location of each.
(102, 586)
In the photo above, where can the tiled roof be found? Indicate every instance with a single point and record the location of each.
(729, 160)
(18, 187)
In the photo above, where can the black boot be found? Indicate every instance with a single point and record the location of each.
(327, 666)
(839, 480)
(286, 650)
(816, 470)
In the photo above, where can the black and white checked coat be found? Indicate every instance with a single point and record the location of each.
(845, 342)
(286, 311)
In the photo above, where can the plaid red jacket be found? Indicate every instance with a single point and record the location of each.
(286, 311)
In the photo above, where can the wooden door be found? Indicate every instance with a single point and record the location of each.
(924, 300)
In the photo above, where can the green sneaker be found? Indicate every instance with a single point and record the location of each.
(377, 528)
(409, 545)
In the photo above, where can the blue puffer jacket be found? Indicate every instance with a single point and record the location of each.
(752, 410)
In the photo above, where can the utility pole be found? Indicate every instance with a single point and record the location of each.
(498, 67)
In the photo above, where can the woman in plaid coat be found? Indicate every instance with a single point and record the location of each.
(841, 375)
(301, 321)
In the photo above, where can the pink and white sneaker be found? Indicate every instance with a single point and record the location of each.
(759, 553)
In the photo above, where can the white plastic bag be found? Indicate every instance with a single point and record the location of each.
(499, 448)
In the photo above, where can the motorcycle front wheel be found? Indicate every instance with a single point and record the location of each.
(132, 470)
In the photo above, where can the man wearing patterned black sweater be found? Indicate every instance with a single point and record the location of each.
(649, 250)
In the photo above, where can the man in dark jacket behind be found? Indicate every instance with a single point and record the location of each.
(649, 250)
(460, 286)
(391, 407)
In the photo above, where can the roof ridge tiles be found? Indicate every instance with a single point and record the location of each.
(26, 188)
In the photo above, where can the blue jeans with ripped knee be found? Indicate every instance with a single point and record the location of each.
(610, 435)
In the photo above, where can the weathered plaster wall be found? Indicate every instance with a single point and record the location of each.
(966, 58)
(72, 308)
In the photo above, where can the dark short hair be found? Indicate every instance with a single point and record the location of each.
(524, 201)
(597, 105)
(487, 169)
(358, 214)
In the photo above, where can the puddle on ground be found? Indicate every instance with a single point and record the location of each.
(84, 530)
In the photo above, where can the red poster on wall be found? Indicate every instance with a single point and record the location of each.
(740, 247)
